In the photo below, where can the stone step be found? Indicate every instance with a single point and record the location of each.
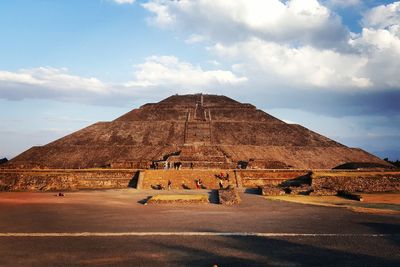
(204, 158)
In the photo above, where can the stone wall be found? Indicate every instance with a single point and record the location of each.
(45, 180)
(238, 178)
(256, 178)
(185, 179)
(356, 181)
(51, 180)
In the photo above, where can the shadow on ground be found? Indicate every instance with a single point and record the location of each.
(261, 251)
(253, 191)
(144, 201)
(199, 251)
(386, 228)
(213, 197)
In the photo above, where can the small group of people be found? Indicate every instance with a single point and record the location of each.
(222, 179)
(199, 184)
(223, 182)
(159, 186)
(223, 176)
(155, 165)
(172, 165)
(177, 165)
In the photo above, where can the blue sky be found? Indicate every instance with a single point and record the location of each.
(330, 65)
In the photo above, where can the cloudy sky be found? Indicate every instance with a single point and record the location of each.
(331, 65)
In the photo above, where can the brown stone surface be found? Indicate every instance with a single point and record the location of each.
(297, 181)
(186, 179)
(323, 192)
(54, 180)
(178, 199)
(255, 178)
(229, 196)
(367, 182)
(300, 190)
(271, 190)
(208, 130)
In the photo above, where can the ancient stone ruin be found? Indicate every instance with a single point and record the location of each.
(185, 139)
(193, 131)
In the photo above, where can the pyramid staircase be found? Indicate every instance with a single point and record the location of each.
(198, 125)
(198, 133)
(198, 148)
(202, 157)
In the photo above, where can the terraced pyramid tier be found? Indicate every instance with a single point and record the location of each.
(202, 131)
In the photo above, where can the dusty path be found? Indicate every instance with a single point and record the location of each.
(294, 234)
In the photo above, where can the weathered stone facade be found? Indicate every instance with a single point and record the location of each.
(291, 181)
(357, 181)
(207, 131)
(56, 180)
(271, 190)
(229, 196)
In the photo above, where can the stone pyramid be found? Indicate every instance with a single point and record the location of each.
(205, 131)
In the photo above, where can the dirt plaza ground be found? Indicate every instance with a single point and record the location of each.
(115, 228)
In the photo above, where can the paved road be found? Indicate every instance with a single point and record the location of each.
(110, 224)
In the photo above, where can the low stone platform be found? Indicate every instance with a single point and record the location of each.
(271, 190)
(66, 179)
(178, 199)
(356, 181)
(229, 196)
(323, 182)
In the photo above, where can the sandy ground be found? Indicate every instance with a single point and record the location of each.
(383, 203)
(388, 198)
(132, 234)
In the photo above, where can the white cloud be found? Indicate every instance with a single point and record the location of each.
(121, 2)
(259, 63)
(195, 38)
(57, 84)
(305, 21)
(50, 78)
(155, 73)
(169, 70)
(303, 67)
(380, 39)
(162, 15)
(383, 16)
(294, 44)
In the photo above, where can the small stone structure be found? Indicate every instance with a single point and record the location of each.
(356, 181)
(54, 180)
(323, 192)
(186, 179)
(271, 190)
(229, 196)
(178, 199)
(300, 190)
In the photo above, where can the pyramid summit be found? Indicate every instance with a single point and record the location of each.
(200, 130)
